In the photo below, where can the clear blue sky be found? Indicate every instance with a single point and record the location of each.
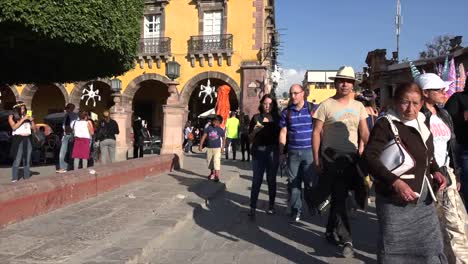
(329, 33)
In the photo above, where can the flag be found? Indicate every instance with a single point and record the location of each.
(451, 77)
(461, 77)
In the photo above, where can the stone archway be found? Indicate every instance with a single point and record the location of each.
(190, 86)
(77, 92)
(134, 85)
(28, 93)
(9, 96)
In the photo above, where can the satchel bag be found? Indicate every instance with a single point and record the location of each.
(395, 157)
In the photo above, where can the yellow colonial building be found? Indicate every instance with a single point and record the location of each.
(319, 85)
(216, 42)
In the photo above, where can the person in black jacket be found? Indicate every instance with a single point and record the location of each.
(107, 130)
(457, 106)
(452, 212)
(138, 138)
(264, 134)
(409, 230)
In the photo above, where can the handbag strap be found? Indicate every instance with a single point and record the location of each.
(394, 129)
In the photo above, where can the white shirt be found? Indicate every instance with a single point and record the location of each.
(81, 129)
(23, 130)
(441, 134)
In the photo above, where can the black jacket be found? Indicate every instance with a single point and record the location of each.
(419, 145)
(107, 130)
(452, 144)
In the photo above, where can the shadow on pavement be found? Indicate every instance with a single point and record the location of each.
(226, 216)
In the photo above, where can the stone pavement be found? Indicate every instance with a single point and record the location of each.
(221, 232)
(179, 217)
(115, 227)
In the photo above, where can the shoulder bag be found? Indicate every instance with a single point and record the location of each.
(395, 157)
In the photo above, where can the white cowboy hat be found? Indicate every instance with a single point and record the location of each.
(345, 72)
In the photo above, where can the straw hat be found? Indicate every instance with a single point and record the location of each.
(345, 72)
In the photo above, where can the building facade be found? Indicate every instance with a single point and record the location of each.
(216, 42)
(383, 75)
(319, 85)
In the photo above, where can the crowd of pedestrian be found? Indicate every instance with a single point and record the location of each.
(83, 140)
(413, 153)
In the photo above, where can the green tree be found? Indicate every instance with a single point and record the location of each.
(439, 46)
(67, 40)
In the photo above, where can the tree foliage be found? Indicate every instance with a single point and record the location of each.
(67, 40)
(439, 46)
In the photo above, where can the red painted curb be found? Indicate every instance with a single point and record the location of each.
(39, 195)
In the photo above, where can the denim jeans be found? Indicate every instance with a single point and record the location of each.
(463, 162)
(300, 169)
(63, 151)
(107, 147)
(265, 159)
(26, 159)
(233, 143)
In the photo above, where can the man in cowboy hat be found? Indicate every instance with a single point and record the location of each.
(337, 123)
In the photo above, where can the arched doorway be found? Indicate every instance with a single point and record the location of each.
(196, 106)
(96, 106)
(148, 102)
(8, 97)
(46, 99)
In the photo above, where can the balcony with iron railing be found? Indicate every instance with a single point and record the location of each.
(211, 46)
(155, 46)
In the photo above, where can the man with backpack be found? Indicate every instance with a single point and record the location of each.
(296, 130)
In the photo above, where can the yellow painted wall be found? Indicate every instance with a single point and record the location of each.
(319, 95)
(181, 23)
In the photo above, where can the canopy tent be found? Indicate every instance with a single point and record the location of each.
(208, 114)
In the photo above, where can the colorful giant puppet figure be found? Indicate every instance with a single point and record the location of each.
(223, 106)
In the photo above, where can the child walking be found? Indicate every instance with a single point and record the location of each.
(215, 139)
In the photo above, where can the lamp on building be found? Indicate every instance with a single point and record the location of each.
(116, 85)
(173, 69)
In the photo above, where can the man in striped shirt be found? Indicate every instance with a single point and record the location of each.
(296, 129)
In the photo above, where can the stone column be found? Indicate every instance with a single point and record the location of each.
(122, 113)
(253, 87)
(175, 116)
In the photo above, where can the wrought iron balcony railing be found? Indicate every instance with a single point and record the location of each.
(211, 44)
(155, 46)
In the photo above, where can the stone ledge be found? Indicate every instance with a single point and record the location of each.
(26, 199)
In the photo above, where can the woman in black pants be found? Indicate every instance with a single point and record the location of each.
(264, 133)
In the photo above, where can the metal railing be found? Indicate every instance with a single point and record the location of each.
(210, 43)
(155, 46)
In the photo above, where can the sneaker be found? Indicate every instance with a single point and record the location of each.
(348, 250)
(216, 179)
(271, 211)
(14, 180)
(61, 171)
(211, 177)
(252, 214)
(297, 217)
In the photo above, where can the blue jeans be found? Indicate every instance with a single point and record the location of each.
(63, 152)
(300, 169)
(463, 162)
(265, 159)
(25, 158)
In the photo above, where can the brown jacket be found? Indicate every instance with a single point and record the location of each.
(418, 144)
